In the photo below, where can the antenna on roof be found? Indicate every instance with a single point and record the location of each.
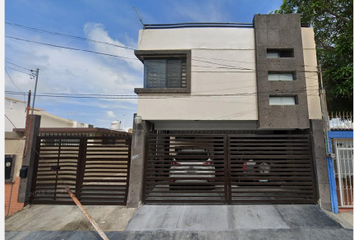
(140, 19)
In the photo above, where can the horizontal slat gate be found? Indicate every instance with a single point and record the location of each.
(168, 183)
(96, 169)
(247, 168)
(56, 164)
(271, 169)
(105, 175)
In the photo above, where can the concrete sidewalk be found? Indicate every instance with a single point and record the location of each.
(204, 222)
(69, 218)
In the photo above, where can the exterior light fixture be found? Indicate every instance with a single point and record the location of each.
(138, 120)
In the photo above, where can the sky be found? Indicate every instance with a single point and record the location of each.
(113, 21)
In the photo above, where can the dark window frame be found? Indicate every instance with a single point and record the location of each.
(282, 72)
(168, 62)
(155, 54)
(296, 98)
(281, 51)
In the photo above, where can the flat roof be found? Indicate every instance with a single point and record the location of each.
(75, 130)
(199, 25)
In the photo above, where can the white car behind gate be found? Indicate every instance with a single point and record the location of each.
(201, 167)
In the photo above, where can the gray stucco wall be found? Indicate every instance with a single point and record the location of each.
(320, 164)
(135, 192)
(276, 32)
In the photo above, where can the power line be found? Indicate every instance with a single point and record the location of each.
(314, 87)
(20, 71)
(69, 48)
(223, 65)
(219, 65)
(112, 96)
(66, 35)
(107, 43)
(12, 80)
(10, 121)
(266, 6)
(18, 65)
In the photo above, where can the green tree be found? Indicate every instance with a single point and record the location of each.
(332, 21)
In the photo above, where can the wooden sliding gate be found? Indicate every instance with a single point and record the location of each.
(234, 169)
(96, 169)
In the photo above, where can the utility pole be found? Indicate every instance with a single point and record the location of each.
(27, 111)
(324, 108)
(35, 90)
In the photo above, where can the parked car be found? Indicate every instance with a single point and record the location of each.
(197, 165)
(252, 167)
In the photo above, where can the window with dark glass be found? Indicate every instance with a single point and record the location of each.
(165, 73)
(280, 53)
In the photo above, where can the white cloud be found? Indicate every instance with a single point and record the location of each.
(76, 72)
(110, 114)
(96, 31)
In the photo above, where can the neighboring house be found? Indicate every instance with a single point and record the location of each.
(340, 161)
(247, 96)
(84, 132)
(15, 110)
(14, 151)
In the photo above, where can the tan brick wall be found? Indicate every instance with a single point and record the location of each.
(13, 206)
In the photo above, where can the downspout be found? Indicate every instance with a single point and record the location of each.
(331, 177)
(326, 130)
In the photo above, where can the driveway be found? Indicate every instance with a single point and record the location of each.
(214, 222)
(238, 222)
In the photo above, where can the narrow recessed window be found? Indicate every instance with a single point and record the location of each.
(282, 100)
(280, 53)
(283, 76)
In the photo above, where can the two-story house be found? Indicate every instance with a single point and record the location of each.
(229, 113)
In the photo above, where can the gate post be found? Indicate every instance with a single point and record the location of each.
(320, 164)
(81, 163)
(24, 192)
(137, 163)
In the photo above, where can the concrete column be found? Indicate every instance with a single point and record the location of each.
(135, 192)
(25, 193)
(320, 164)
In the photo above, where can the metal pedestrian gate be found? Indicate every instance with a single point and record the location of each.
(228, 168)
(96, 169)
(344, 172)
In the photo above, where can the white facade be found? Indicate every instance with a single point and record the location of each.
(15, 110)
(223, 63)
